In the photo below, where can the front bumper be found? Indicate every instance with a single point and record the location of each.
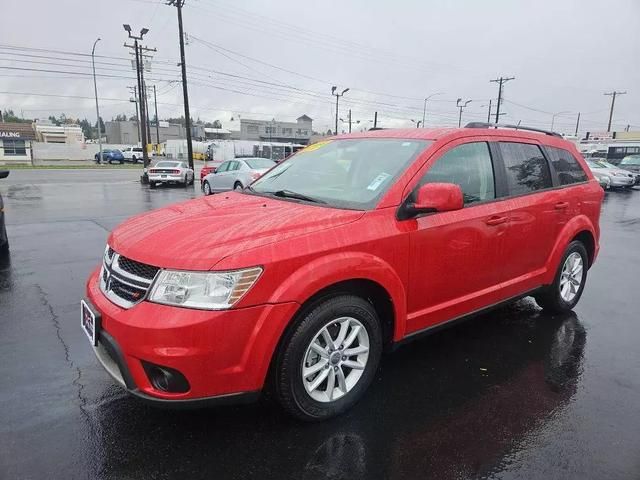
(622, 181)
(224, 355)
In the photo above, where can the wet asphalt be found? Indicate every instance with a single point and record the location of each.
(511, 394)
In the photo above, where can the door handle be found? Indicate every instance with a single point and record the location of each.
(561, 205)
(495, 220)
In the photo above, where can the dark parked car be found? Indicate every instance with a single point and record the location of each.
(4, 240)
(110, 156)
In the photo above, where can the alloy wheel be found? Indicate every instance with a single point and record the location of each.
(335, 359)
(571, 277)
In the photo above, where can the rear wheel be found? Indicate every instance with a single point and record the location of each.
(566, 290)
(329, 359)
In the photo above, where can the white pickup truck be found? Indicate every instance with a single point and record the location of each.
(132, 154)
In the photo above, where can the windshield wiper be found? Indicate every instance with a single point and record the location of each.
(296, 195)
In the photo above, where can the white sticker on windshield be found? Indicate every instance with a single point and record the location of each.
(379, 180)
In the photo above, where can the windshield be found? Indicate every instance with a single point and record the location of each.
(594, 164)
(631, 160)
(116, 151)
(352, 173)
(606, 164)
(167, 164)
(259, 163)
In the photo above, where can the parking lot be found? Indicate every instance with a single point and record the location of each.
(511, 394)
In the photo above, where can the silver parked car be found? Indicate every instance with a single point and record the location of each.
(170, 171)
(617, 176)
(235, 174)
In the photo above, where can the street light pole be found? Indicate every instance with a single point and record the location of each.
(95, 89)
(461, 106)
(337, 95)
(424, 109)
(553, 118)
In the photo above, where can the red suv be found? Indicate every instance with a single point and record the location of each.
(352, 246)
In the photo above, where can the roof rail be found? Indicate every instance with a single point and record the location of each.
(515, 127)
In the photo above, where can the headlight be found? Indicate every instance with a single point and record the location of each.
(203, 290)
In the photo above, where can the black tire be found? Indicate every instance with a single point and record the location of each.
(550, 298)
(206, 186)
(237, 186)
(152, 185)
(121, 162)
(135, 160)
(288, 384)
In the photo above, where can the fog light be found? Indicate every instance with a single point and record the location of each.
(166, 379)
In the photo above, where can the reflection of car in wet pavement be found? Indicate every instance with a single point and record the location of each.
(489, 385)
(4, 239)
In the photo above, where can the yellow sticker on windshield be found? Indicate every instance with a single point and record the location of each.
(315, 146)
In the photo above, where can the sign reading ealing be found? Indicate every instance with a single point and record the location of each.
(9, 134)
(16, 131)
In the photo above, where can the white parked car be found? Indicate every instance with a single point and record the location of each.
(170, 171)
(132, 154)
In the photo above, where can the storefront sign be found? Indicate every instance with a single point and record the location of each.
(9, 134)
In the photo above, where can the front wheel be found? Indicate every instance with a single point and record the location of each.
(329, 359)
(238, 186)
(206, 188)
(566, 290)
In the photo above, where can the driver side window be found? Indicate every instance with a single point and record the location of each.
(469, 166)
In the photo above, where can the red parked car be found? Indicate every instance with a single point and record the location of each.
(352, 246)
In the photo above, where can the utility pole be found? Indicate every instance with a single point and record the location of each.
(349, 120)
(613, 102)
(95, 89)
(489, 113)
(141, 91)
(135, 100)
(155, 101)
(337, 95)
(577, 124)
(187, 116)
(146, 108)
(461, 105)
(375, 120)
(500, 81)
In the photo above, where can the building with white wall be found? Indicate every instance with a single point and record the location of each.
(299, 131)
(15, 142)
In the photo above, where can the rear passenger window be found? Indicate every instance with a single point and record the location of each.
(566, 166)
(526, 168)
(468, 166)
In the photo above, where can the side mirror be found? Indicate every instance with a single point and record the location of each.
(214, 170)
(4, 173)
(435, 197)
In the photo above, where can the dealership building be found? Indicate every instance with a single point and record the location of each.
(15, 142)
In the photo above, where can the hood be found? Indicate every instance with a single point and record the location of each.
(197, 234)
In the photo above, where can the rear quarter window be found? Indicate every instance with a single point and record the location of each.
(566, 166)
(526, 168)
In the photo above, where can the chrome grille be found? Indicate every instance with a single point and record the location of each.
(137, 268)
(124, 281)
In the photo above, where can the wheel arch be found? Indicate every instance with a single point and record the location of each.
(578, 228)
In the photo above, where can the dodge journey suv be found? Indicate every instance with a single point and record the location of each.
(297, 284)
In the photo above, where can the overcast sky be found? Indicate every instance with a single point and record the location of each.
(268, 59)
